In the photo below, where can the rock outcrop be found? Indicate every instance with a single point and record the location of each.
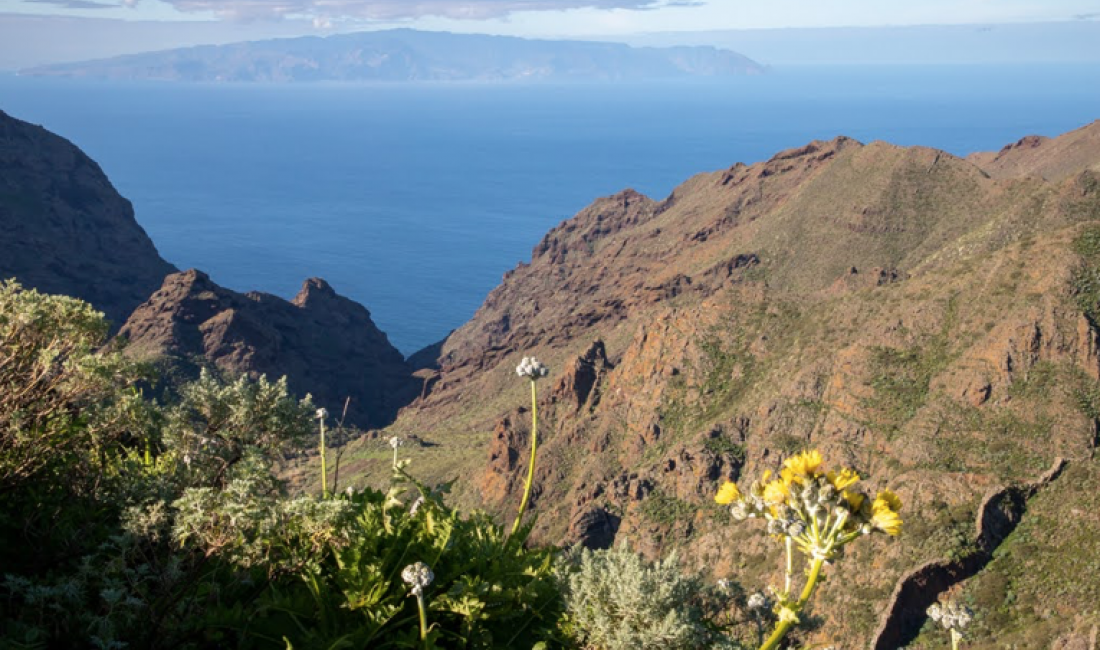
(324, 343)
(63, 227)
(909, 313)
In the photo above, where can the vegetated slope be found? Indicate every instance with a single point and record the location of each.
(410, 55)
(63, 227)
(325, 344)
(1049, 158)
(898, 308)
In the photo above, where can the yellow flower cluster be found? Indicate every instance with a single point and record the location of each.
(820, 511)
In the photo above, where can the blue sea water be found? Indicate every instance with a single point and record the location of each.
(415, 199)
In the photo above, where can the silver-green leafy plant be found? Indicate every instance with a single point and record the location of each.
(616, 600)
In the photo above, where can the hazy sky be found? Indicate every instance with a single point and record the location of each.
(567, 17)
(34, 32)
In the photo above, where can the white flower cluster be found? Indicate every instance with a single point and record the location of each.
(322, 414)
(396, 442)
(951, 615)
(418, 576)
(532, 368)
(757, 601)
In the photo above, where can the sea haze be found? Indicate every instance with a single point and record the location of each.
(415, 199)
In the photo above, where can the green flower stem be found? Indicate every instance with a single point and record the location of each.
(324, 473)
(531, 465)
(785, 623)
(955, 636)
(423, 620)
(790, 568)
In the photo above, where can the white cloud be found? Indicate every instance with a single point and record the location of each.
(394, 10)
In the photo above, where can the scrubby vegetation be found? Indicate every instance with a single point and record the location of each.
(129, 522)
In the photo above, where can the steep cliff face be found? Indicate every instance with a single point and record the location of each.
(324, 343)
(63, 227)
(911, 314)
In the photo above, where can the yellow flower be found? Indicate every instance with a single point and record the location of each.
(887, 521)
(776, 492)
(804, 464)
(845, 478)
(884, 513)
(887, 499)
(855, 500)
(728, 493)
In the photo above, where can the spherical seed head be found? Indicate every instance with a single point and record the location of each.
(418, 576)
(531, 368)
(322, 414)
(757, 601)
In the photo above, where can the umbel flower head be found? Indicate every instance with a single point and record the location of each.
(418, 576)
(531, 368)
(951, 615)
(819, 511)
(396, 442)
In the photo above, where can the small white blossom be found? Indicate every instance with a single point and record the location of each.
(951, 615)
(757, 601)
(532, 368)
(396, 442)
(322, 414)
(350, 491)
(418, 576)
(416, 505)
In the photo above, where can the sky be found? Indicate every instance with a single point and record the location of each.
(45, 31)
(567, 17)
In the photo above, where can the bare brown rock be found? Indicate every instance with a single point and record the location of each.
(324, 343)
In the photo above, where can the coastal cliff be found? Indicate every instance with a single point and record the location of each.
(65, 229)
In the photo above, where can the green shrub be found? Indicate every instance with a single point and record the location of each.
(63, 400)
(616, 600)
(340, 564)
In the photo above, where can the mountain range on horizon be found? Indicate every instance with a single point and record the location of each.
(931, 320)
(409, 55)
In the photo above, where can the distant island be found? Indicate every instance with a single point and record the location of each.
(401, 55)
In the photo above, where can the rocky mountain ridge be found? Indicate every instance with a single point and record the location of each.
(325, 344)
(910, 313)
(64, 229)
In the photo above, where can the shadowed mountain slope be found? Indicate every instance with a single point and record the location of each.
(63, 227)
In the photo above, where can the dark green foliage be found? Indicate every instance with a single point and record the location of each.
(124, 523)
(486, 593)
(1085, 281)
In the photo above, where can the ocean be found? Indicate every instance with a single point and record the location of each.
(414, 199)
